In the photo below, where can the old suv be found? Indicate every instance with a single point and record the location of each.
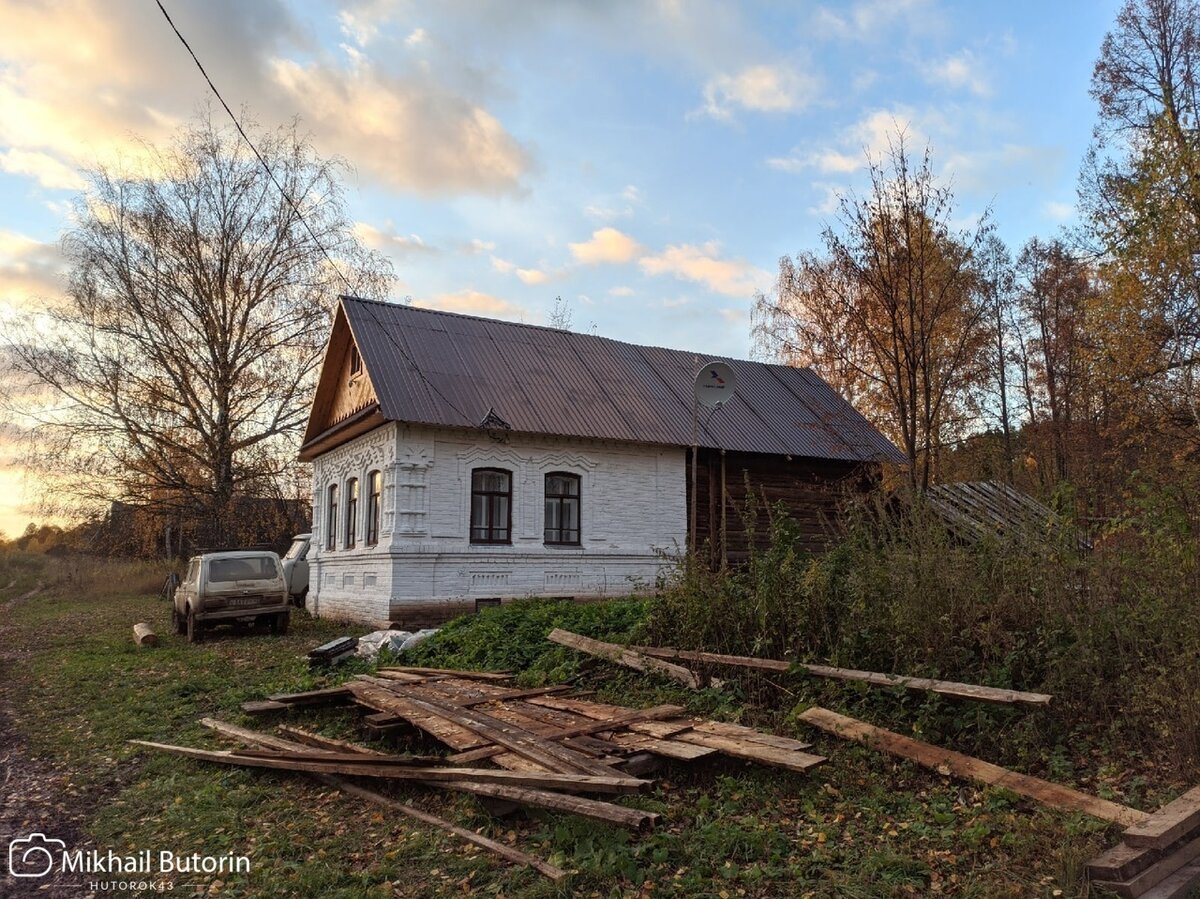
(230, 588)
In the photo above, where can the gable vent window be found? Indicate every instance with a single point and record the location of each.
(355, 361)
(491, 505)
(562, 509)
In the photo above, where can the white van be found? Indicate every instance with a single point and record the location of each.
(228, 588)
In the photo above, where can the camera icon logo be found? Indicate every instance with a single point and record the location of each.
(34, 855)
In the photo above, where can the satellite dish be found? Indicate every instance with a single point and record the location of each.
(714, 384)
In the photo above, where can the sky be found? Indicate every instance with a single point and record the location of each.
(649, 162)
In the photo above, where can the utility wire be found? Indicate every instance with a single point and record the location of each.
(287, 197)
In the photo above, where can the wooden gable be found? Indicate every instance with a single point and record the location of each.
(345, 403)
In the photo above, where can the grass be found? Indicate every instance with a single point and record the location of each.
(863, 825)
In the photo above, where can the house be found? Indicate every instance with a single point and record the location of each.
(459, 461)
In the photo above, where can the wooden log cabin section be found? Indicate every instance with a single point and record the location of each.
(811, 490)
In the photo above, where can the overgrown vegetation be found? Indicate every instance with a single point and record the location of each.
(1112, 633)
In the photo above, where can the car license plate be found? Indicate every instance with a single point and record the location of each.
(244, 602)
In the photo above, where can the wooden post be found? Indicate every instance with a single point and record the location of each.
(695, 460)
(724, 539)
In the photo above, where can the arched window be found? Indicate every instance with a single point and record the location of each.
(562, 508)
(351, 512)
(331, 519)
(374, 489)
(491, 505)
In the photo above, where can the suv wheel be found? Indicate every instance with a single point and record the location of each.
(195, 631)
(280, 624)
(178, 624)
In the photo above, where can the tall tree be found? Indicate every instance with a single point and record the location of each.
(996, 282)
(178, 370)
(891, 313)
(1141, 188)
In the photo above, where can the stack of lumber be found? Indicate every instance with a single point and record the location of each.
(1159, 856)
(533, 747)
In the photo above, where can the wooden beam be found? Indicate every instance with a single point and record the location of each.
(875, 678)
(1169, 823)
(965, 766)
(516, 856)
(451, 672)
(1139, 883)
(1178, 885)
(752, 751)
(323, 697)
(622, 656)
(582, 783)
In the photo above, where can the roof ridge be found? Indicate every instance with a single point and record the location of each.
(501, 321)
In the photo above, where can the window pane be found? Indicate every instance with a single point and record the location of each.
(478, 511)
(490, 481)
(570, 514)
(551, 514)
(500, 516)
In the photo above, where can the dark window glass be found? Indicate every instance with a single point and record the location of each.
(374, 487)
(331, 519)
(491, 506)
(351, 512)
(355, 361)
(562, 508)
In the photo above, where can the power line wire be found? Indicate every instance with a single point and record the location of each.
(238, 125)
(288, 199)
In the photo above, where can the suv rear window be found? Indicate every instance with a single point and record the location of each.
(254, 568)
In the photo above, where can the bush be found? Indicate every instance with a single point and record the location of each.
(1113, 634)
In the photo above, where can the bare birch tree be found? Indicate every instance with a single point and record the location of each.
(178, 370)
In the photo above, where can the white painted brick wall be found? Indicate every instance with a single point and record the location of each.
(633, 509)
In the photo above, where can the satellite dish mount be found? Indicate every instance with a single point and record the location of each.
(713, 388)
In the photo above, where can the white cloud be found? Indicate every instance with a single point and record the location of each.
(474, 302)
(45, 169)
(79, 80)
(606, 246)
(759, 88)
(503, 266)
(29, 270)
(416, 36)
(960, 71)
(620, 291)
(477, 246)
(532, 276)
(1057, 210)
(390, 242)
(869, 20)
(702, 264)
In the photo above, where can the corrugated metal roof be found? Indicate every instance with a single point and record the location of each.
(442, 368)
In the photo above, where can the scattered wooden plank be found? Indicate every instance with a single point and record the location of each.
(1167, 824)
(452, 672)
(756, 752)
(672, 749)
(581, 783)
(945, 760)
(737, 731)
(615, 722)
(333, 757)
(516, 856)
(263, 707)
(143, 634)
(594, 809)
(553, 872)
(550, 755)
(315, 698)
(1140, 883)
(627, 657)
(320, 741)
(875, 678)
